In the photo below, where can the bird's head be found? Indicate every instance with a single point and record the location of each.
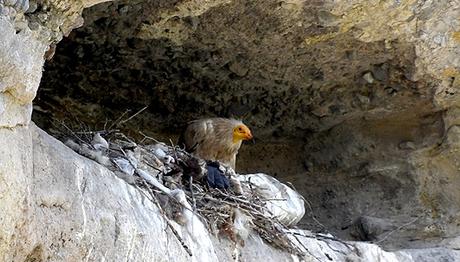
(241, 132)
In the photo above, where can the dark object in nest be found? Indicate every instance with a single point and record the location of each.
(215, 177)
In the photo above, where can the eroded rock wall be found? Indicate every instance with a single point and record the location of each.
(355, 102)
(352, 101)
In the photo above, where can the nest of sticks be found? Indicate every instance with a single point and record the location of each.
(157, 169)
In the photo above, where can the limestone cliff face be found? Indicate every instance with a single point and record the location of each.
(355, 102)
(60, 206)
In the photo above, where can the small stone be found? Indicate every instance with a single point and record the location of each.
(328, 19)
(22, 5)
(34, 26)
(12, 12)
(3, 11)
(368, 228)
(238, 69)
(10, 2)
(363, 99)
(2, 105)
(32, 7)
(388, 44)
(440, 39)
(20, 25)
(407, 145)
(308, 165)
(456, 83)
(124, 10)
(43, 17)
(50, 52)
(368, 77)
(321, 111)
(380, 72)
(192, 21)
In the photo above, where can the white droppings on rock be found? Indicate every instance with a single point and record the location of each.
(99, 143)
(160, 153)
(125, 166)
(242, 224)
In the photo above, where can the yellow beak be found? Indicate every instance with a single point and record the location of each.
(248, 136)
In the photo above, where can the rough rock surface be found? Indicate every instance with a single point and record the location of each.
(354, 102)
(60, 206)
(27, 32)
(20, 73)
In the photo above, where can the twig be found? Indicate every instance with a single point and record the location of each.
(397, 229)
(247, 202)
(304, 247)
(131, 117)
(312, 215)
(274, 199)
(316, 236)
(148, 137)
(174, 151)
(105, 131)
(254, 211)
(105, 123)
(173, 230)
(73, 133)
(115, 123)
(168, 223)
(154, 182)
(250, 187)
(154, 167)
(128, 139)
(190, 180)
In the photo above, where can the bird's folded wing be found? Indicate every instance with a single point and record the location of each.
(197, 133)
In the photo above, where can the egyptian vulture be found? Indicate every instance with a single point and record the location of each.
(215, 139)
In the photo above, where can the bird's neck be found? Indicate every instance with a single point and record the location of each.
(236, 140)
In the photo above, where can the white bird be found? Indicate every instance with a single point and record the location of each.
(215, 139)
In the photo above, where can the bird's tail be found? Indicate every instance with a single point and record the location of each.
(181, 143)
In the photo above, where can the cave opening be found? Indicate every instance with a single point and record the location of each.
(337, 117)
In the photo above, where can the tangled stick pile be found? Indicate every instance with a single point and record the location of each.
(178, 184)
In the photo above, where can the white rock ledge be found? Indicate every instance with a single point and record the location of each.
(59, 206)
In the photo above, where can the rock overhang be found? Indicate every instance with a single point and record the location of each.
(336, 94)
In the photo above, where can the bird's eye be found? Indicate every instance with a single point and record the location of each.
(240, 129)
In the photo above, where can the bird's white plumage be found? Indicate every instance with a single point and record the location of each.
(212, 139)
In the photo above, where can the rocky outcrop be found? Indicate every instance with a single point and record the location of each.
(355, 103)
(28, 30)
(21, 62)
(60, 206)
